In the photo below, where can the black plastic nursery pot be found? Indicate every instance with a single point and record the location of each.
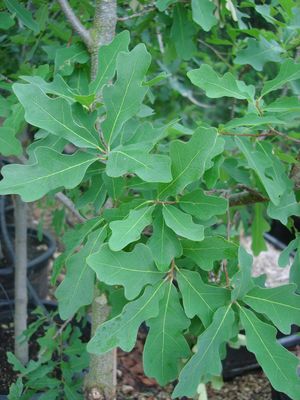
(39, 254)
(279, 396)
(6, 325)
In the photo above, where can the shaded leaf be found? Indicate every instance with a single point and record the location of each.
(289, 71)
(130, 228)
(212, 248)
(163, 243)
(182, 224)
(279, 364)
(287, 207)
(51, 171)
(207, 360)
(198, 204)
(203, 14)
(189, 160)
(15, 7)
(200, 298)
(121, 331)
(77, 288)
(215, 86)
(182, 33)
(242, 280)
(258, 229)
(133, 270)
(280, 304)
(165, 339)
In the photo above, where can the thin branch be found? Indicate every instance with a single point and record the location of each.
(255, 135)
(277, 133)
(138, 14)
(216, 52)
(246, 198)
(70, 206)
(75, 22)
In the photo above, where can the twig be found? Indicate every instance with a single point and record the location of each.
(217, 53)
(75, 22)
(246, 198)
(138, 14)
(275, 132)
(70, 206)
(256, 135)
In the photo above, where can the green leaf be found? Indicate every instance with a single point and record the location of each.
(6, 21)
(16, 390)
(198, 204)
(163, 243)
(267, 167)
(289, 71)
(165, 339)
(242, 280)
(258, 52)
(9, 145)
(285, 255)
(189, 160)
(258, 228)
(284, 104)
(134, 159)
(124, 99)
(77, 288)
(182, 224)
(107, 58)
(55, 116)
(215, 86)
(162, 5)
(212, 248)
(66, 57)
(51, 171)
(133, 270)
(15, 7)
(95, 194)
(130, 228)
(121, 331)
(252, 119)
(203, 14)
(279, 364)
(207, 361)
(280, 304)
(182, 32)
(199, 298)
(114, 186)
(287, 207)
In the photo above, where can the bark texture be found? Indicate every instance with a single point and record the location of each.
(20, 317)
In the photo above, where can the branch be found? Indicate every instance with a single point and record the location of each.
(245, 198)
(70, 206)
(138, 14)
(75, 22)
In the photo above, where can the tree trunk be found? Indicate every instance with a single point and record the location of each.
(20, 317)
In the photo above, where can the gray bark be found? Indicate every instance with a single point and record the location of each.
(20, 317)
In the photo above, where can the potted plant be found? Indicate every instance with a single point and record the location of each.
(176, 195)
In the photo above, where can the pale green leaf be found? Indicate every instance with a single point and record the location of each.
(182, 224)
(51, 171)
(287, 207)
(130, 228)
(121, 331)
(9, 145)
(242, 281)
(77, 288)
(280, 304)
(163, 243)
(15, 7)
(258, 52)
(136, 159)
(55, 116)
(212, 248)
(162, 5)
(203, 14)
(268, 168)
(165, 339)
(133, 270)
(207, 360)
(285, 255)
(66, 57)
(202, 206)
(200, 298)
(124, 99)
(284, 104)
(189, 160)
(215, 86)
(279, 364)
(258, 228)
(253, 120)
(107, 58)
(289, 71)
(182, 33)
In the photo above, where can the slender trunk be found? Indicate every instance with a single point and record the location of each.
(100, 382)
(20, 318)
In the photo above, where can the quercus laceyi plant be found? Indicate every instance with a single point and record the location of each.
(162, 241)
